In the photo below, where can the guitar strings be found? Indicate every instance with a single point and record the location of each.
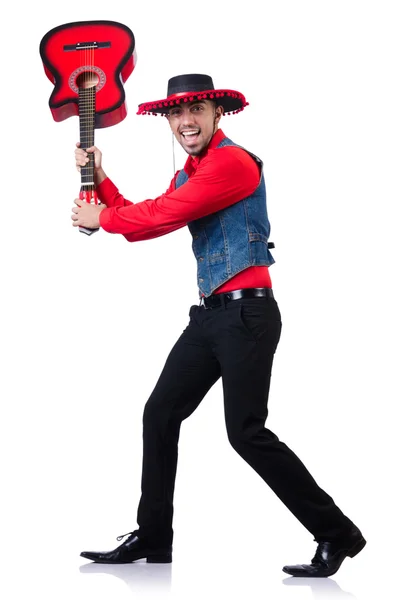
(87, 89)
(90, 93)
(92, 117)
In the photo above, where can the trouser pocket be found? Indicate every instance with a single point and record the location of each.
(259, 323)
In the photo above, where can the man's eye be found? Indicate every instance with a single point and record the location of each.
(175, 113)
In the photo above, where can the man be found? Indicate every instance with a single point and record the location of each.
(233, 333)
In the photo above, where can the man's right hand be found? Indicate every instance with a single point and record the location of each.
(82, 159)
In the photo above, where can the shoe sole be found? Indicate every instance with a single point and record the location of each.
(154, 559)
(161, 558)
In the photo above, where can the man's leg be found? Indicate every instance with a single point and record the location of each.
(189, 372)
(245, 350)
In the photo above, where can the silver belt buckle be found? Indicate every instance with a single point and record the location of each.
(205, 305)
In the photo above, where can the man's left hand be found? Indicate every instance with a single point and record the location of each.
(86, 215)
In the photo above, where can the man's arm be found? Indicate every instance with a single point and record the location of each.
(224, 177)
(111, 197)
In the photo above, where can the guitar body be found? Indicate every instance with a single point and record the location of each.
(102, 52)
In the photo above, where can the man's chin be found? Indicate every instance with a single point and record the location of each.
(193, 150)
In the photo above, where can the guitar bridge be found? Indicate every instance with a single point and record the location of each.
(86, 46)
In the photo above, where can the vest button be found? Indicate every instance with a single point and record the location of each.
(201, 259)
(201, 280)
(195, 237)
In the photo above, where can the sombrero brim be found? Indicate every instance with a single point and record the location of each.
(233, 102)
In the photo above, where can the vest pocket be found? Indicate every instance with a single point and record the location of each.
(216, 258)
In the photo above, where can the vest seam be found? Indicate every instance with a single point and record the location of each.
(225, 240)
(247, 228)
(208, 258)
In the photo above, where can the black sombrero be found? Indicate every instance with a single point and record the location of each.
(186, 88)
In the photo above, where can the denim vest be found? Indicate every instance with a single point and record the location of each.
(230, 240)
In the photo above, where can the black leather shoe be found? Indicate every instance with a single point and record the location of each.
(329, 557)
(134, 548)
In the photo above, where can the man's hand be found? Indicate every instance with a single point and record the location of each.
(81, 157)
(86, 215)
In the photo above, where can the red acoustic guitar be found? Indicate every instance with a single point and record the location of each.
(88, 61)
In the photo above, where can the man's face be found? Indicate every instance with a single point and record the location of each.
(194, 124)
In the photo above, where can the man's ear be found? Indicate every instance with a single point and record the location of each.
(219, 111)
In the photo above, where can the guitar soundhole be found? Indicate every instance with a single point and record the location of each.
(87, 80)
(86, 77)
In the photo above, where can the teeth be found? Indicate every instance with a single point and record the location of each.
(189, 132)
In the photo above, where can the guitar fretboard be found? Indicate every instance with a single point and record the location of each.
(87, 127)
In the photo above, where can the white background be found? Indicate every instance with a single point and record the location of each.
(87, 322)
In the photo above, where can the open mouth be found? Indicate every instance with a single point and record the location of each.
(190, 135)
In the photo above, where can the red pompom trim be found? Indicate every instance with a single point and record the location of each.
(149, 107)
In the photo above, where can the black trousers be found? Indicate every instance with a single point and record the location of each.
(237, 342)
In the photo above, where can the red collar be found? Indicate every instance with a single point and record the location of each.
(193, 161)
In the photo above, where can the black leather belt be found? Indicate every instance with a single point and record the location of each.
(216, 300)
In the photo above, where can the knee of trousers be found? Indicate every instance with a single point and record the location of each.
(152, 412)
(157, 418)
(241, 439)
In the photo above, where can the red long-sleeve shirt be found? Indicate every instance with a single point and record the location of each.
(218, 178)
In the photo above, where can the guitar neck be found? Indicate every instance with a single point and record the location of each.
(87, 128)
